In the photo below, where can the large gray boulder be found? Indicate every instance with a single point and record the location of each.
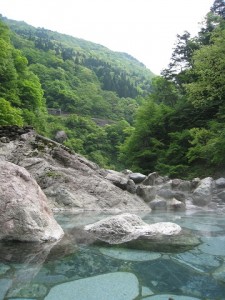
(61, 136)
(24, 213)
(129, 231)
(137, 177)
(148, 193)
(118, 179)
(125, 227)
(202, 195)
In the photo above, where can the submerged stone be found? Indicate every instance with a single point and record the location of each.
(197, 260)
(3, 268)
(213, 245)
(122, 285)
(28, 290)
(22, 298)
(170, 296)
(145, 291)
(129, 254)
(175, 278)
(219, 274)
(5, 284)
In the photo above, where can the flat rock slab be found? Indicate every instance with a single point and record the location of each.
(219, 274)
(129, 254)
(5, 284)
(122, 285)
(170, 296)
(213, 245)
(202, 262)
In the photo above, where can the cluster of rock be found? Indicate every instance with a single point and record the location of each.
(171, 194)
(68, 180)
(72, 182)
(33, 167)
(12, 132)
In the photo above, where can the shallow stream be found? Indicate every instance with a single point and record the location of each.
(78, 269)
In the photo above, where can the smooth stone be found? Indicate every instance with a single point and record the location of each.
(213, 245)
(145, 291)
(3, 268)
(220, 182)
(219, 274)
(123, 285)
(5, 284)
(129, 254)
(44, 276)
(199, 261)
(28, 290)
(50, 279)
(137, 177)
(170, 296)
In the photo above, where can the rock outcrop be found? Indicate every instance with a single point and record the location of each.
(24, 213)
(68, 180)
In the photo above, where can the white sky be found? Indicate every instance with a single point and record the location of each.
(146, 29)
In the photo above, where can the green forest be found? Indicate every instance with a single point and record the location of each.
(173, 124)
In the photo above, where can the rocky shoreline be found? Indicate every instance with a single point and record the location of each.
(69, 181)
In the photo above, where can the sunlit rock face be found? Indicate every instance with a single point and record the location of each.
(24, 213)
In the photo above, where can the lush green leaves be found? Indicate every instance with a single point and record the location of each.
(9, 115)
(185, 138)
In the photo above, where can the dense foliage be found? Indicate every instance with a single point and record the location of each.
(41, 70)
(81, 77)
(180, 129)
(21, 95)
(173, 123)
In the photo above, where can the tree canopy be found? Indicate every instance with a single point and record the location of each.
(179, 131)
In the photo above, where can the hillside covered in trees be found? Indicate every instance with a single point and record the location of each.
(173, 123)
(42, 70)
(180, 129)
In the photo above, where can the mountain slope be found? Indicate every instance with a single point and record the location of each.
(82, 80)
(87, 61)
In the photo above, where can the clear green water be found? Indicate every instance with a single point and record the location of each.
(80, 270)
